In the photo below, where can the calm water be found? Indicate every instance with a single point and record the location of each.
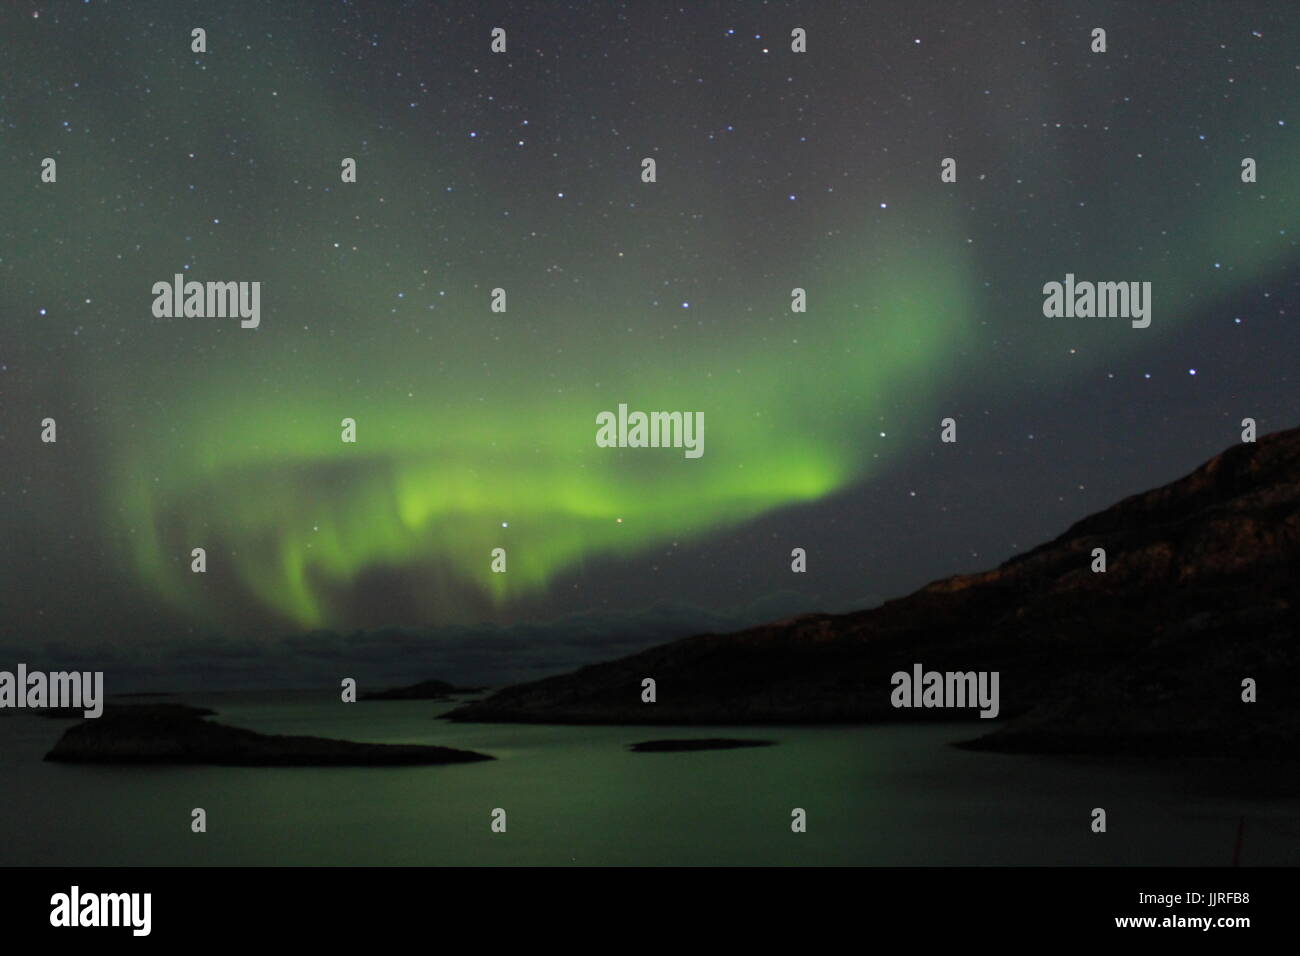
(576, 795)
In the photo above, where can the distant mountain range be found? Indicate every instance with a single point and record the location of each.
(424, 690)
(1201, 591)
(144, 734)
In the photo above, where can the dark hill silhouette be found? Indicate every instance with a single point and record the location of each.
(424, 690)
(1200, 592)
(177, 734)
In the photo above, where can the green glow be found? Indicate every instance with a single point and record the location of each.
(450, 449)
(212, 436)
(263, 481)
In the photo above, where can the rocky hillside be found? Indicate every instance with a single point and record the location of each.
(1202, 590)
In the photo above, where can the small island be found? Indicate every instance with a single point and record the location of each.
(175, 734)
(160, 710)
(696, 743)
(424, 690)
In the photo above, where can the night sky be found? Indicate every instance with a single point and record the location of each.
(522, 170)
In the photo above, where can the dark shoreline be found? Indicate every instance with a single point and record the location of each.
(180, 735)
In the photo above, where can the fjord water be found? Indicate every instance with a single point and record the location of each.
(877, 795)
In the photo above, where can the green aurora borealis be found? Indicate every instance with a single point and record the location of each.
(188, 433)
(430, 481)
